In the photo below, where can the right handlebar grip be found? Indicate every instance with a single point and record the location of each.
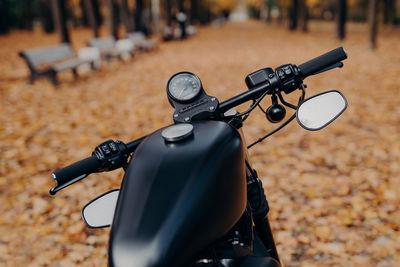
(75, 172)
(319, 63)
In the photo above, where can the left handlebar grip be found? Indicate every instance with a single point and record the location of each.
(74, 172)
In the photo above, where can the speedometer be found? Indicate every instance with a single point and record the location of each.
(184, 86)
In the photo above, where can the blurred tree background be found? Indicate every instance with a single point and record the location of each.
(334, 194)
(150, 15)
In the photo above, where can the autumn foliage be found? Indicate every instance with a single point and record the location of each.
(334, 194)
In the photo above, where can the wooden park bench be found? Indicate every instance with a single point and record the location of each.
(48, 61)
(110, 48)
(140, 41)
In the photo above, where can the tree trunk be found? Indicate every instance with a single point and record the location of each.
(138, 16)
(4, 22)
(293, 15)
(60, 19)
(389, 12)
(181, 6)
(209, 11)
(341, 10)
(84, 18)
(155, 15)
(304, 15)
(96, 11)
(89, 9)
(26, 19)
(372, 21)
(126, 16)
(113, 24)
(45, 16)
(194, 15)
(168, 12)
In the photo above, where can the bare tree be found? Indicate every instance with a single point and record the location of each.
(181, 6)
(89, 9)
(194, 15)
(45, 16)
(155, 15)
(59, 18)
(138, 16)
(341, 12)
(293, 13)
(126, 16)
(389, 11)
(113, 24)
(303, 15)
(4, 21)
(372, 21)
(168, 11)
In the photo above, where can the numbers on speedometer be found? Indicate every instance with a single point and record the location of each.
(184, 86)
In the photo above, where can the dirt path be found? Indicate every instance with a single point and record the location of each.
(333, 194)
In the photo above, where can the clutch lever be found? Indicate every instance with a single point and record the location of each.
(336, 65)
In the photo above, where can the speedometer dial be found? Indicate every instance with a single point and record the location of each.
(184, 86)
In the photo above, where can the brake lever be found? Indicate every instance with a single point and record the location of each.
(336, 65)
(302, 88)
(286, 103)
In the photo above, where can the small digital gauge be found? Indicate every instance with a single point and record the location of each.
(184, 86)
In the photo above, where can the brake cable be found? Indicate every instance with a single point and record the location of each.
(251, 107)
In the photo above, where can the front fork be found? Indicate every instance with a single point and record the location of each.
(259, 207)
(264, 231)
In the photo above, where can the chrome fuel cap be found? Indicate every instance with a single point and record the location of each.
(177, 132)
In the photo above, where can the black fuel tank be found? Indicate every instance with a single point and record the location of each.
(177, 198)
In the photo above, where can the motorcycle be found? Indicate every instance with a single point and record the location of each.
(189, 196)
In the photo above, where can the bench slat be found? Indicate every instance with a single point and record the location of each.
(104, 44)
(139, 40)
(39, 58)
(69, 64)
(48, 61)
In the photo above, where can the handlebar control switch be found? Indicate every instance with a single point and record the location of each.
(258, 77)
(289, 77)
(112, 154)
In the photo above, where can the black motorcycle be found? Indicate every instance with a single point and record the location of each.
(189, 196)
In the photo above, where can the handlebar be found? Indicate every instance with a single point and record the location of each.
(114, 154)
(74, 172)
(107, 156)
(286, 78)
(319, 63)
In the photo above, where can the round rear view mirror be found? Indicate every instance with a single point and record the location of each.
(320, 110)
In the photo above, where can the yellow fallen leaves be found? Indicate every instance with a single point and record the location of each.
(333, 194)
(324, 233)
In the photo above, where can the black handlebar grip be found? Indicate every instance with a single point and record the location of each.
(74, 172)
(319, 63)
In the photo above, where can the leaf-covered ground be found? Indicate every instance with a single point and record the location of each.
(334, 194)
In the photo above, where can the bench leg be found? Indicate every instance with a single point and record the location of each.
(92, 65)
(53, 77)
(75, 73)
(32, 78)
